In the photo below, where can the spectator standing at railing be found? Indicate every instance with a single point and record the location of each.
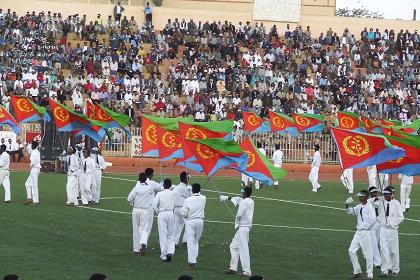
(148, 14)
(118, 10)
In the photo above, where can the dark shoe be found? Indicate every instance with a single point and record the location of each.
(176, 246)
(354, 276)
(378, 267)
(191, 266)
(8, 201)
(184, 244)
(28, 201)
(168, 258)
(383, 275)
(394, 274)
(143, 250)
(230, 271)
(406, 210)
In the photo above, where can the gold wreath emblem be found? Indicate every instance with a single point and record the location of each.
(102, 115)
(347, 122)
(356, 145)
(204, 152)
(1, 113)
(195, 133)
(302, 121)
(367, 122)
(252, 119)
(277, 121)
(251, 158)
(61, 114)
(151, 134)
(396, 161)
(168, 140)
(23, 105)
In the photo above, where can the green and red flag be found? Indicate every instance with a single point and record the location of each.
(370, 125)
(308, 122)
(350, 121)
(259, 167)
(358, 149)
(410, 129)
(27, 111)
(282, 124)
(390, 122)
(410, 163)
(169, 144)
(253, 123)
(6, 118)
(214, 154)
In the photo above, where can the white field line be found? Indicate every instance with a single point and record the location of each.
(258, 225)
(266, 198)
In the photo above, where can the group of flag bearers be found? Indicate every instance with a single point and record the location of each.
(181, 208)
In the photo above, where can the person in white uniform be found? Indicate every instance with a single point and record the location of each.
(366, 217)
(100, 165)
(86, 174)
(79, 155)
(73, 168)
(182, 191)
(31, 184)
(140, 197)
(390, 217)
(277, 159)
(406, 185)
(163, 204)
(371, 171)
(239, 249)
(258, 184)
(376, 229)
(4, 173)
(316, 163)
(193, 212)
(347, 179)
(156, 188)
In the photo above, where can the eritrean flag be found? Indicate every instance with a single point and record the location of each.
(216, 153)
(358, 149)
(282, 124)
(253, 123)
(390, 123)
(409, 164)
(308, 122)
(350, 121)
(259, 167)
(370, 126)
(169, 144)
(410, 129)
(6, 118)
(27, 111)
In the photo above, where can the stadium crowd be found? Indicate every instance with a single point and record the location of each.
(211, 70)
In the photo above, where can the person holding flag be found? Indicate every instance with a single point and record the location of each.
(347, 179)
(156, 187)
(4, 173)
(73, 168)
(243, 223)
(31, 184)
(376, 229)
(258, 184)
(316, 164)
(100, 165)
(182, 191)
(366, 217)
(406, 184)
(277, 161)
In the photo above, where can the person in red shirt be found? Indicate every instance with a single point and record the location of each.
(90, 69)
(159, 105)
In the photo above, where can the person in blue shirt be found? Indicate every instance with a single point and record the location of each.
(148, 14)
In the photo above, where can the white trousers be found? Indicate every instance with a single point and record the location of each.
(361, 239)
(390, 251)
(166, 233)
(5, 181)
(150, 217)
(85, 187)
(31, 185)
(239, 250)
(383, 180)
(96, 185)
(347, 180)
(179, 223)
(72, 189)
(375, 244)
(276, 183)
(140, 223)
(372, 177)
(193, 230)
(313, 178)
(405, 196)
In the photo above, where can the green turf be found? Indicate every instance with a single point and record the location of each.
(53, 241)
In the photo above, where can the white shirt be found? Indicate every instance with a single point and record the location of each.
(245, 212)
(99, 161)
(262, 151)
(4, 161)
(365, 214)
(72, 164)
(182, 191)
(164, 201)
(193, 207)
(156, 187)
(88, 165)
(316, 161)
(35, 159)
(406, 180)
(141, 196)
(395, 215)
(278, 157)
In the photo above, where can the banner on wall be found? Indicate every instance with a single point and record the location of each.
(135, 146)
(30, 136)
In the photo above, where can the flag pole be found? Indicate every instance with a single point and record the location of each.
(217, 190)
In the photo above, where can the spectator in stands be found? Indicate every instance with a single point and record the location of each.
(118, 10)
(148, 14)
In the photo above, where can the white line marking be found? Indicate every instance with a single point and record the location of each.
(258, 225)
(265, 198)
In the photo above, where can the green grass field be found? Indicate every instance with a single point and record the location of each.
(297, 234)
